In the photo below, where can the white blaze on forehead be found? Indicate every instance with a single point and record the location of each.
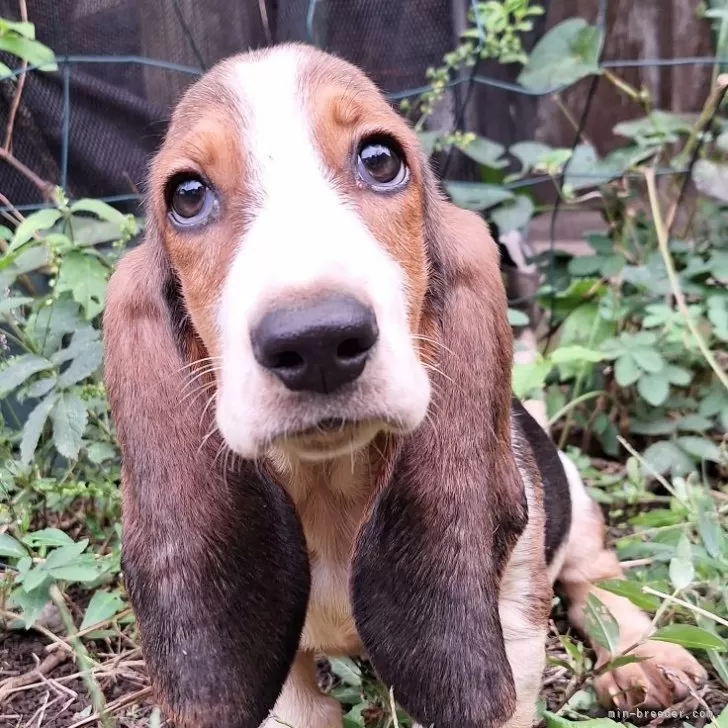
(303, 238)
(304, 233)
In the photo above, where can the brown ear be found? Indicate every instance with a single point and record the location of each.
(213, 554)
(430, 557)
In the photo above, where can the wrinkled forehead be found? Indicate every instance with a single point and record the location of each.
(263, 107)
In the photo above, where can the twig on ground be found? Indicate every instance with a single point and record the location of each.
(113, 707)
(49, 664)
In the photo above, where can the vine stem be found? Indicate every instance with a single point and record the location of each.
(84, 660)
(681, 602)
(575, 403)
(663, 243)
(46, 188)
(8, 142)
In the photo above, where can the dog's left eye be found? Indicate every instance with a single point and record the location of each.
(381, 164)
(189, 200)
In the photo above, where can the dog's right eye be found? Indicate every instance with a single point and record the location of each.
(189, 200)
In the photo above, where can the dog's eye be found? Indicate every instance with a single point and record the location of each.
(381, 164)
(190, 200)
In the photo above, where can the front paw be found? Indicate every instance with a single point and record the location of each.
(669, 675)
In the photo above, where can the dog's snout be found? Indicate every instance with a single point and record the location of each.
(318, 347)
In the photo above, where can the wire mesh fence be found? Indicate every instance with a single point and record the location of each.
(92, 125)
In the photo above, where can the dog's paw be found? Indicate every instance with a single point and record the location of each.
(668, 675)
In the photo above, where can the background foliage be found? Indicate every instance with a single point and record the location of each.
(632, 371)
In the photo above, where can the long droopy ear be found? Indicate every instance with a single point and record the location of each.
(213, 554)
(430, 556)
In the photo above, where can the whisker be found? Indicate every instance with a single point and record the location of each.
(436, 342)
(210, 400)
(198, 361)
(195, 393)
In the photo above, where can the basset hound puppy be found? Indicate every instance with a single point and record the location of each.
(308, 362)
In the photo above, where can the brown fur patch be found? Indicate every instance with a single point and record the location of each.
(208, 144)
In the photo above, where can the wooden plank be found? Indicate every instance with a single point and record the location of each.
(643, 29)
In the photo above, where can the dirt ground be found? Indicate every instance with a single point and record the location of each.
(40, 687)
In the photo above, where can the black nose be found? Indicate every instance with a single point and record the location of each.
(318, 347)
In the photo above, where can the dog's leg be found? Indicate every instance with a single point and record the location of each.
(301, 704)
(657, 683)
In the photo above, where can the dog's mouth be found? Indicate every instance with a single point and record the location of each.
(331, 437)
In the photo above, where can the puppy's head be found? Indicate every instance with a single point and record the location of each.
(289, 197)
(300, 262)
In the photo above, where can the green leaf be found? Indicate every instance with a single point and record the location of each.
(82, 337)
(529, 376)
(623, 660)
(20, 370)
(648, 359)
(40, 387)
(626, 371)
(694, 423)
(682, 571)
(575, 353)
(662, 426)
(586, 265)
(529, 154)
(84, 276)
(346, 670)
(346, 694)
(48, 327)
(613, 266)
(701, 448)
(31, 603)
(47, 537)
(21, 27)
(14, 265)
(82, 573)
(585, 326)
(565, 54)
(65, 555)
(711, 179)
(102, 607)
(664, 457)
(632, 591)
(10, 303)
(101, 209)
(654, 388)
(486, 152)
(477, 195)
(33, 428)
(35, 53)
(35, 578)
(709, 527)
(678, 376)
(99, 452)
(69, 422)
(693, 638)
(86, 362)
(41, 220)
(517, 318)
(722, 720)
(513, 214)
(10, 547)
(658, 128)
(584, 169)
(601, 626)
